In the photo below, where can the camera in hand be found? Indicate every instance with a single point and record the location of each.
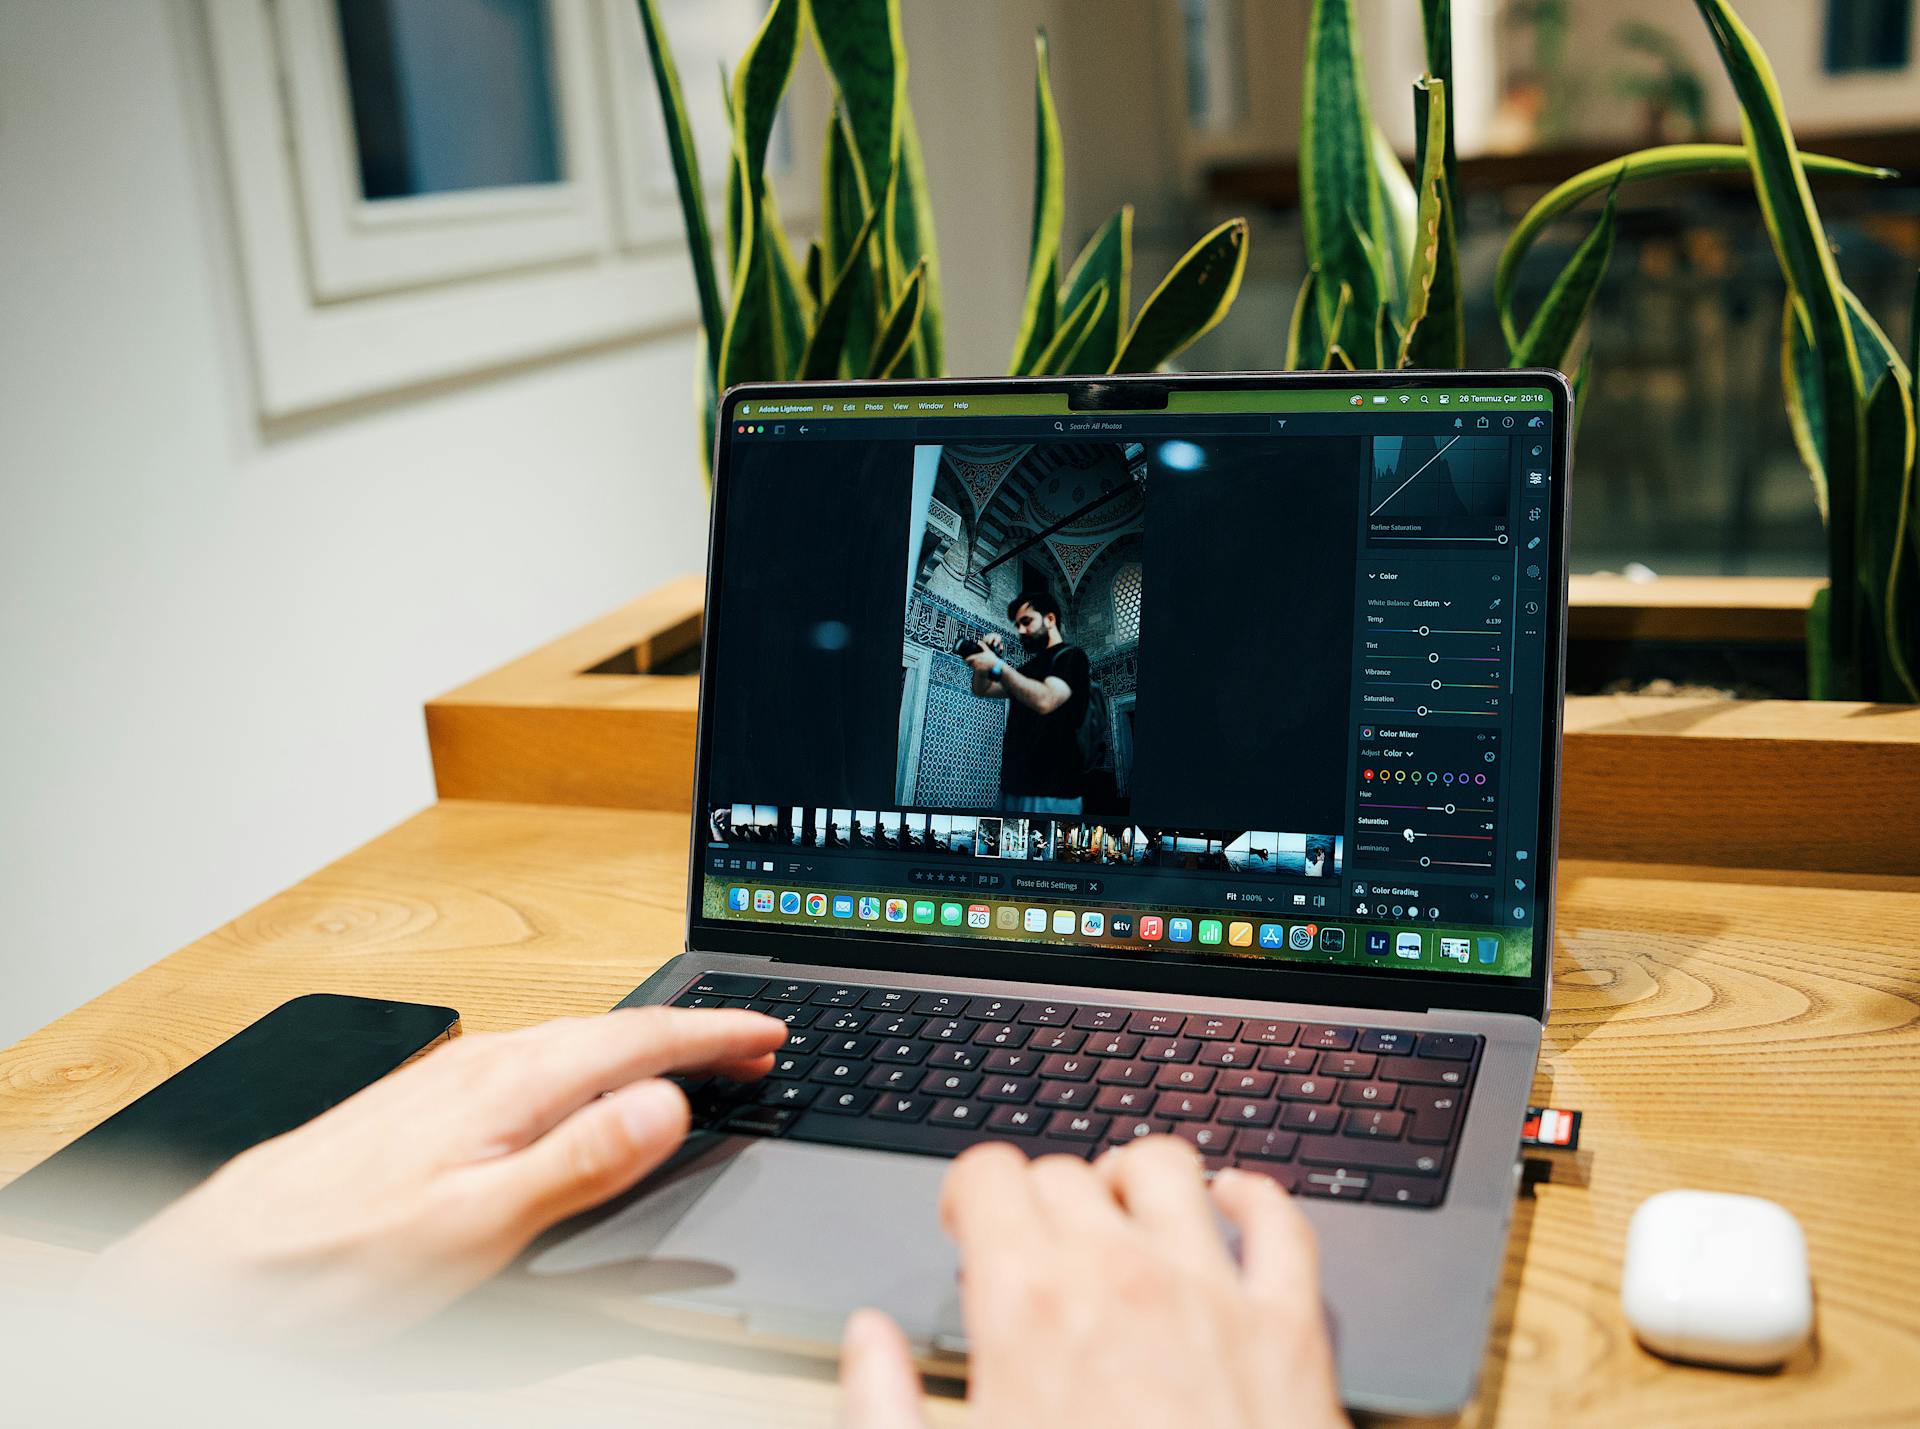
(968, 646)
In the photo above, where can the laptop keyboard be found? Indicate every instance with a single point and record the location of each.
(1335, 1110)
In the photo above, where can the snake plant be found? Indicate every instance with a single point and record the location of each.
(1382, 289)
(866, 299)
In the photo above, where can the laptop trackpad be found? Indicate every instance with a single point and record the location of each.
(793, 1237)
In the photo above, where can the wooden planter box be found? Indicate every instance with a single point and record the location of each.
(1822, 786)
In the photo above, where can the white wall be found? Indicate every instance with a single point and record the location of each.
(216, 640)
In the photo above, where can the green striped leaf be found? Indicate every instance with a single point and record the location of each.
(1439, 338)
(1336, 167)
(851, 285)
(896, 334)
(910, 234)
(1550, 336)
(686, 178)
(845, 204)
(1664, 161)
(1304, 315)
(865, 53)
(1800, 381)
(1194, 295)
(1342, 304)
(860, 42)
(1040, 312)
(1064, 353)
(1820, 646)
(1436, 27)
(844, 197)
(766, 329)
(1886, 499)
(1800, 242)
(1107, 259)
(1399, 213)
(1427, 254)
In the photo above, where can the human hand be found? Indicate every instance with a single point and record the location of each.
(1104, 1294)
(988, 655)
(389, 1206)
(994, 642)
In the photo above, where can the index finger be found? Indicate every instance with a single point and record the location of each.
(989, 1208)
(538, 1076)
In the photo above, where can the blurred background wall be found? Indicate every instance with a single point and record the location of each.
(259, 505)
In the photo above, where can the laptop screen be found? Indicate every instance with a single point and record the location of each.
(1267, 675)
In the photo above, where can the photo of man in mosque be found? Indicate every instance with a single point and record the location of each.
(1019, 658)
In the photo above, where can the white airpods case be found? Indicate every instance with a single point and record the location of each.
(1717, 1278)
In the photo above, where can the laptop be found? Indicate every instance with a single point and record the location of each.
(1082, 760)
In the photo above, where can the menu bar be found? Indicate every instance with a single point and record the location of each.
(1322, 399)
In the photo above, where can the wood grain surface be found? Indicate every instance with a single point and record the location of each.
(1725, 1029)
(1717, 609)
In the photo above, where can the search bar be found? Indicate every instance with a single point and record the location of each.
(1080, 425)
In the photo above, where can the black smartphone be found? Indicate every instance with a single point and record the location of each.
(282, 1071)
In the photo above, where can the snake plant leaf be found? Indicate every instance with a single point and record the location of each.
(1662, 161)
(686, 179)
(1886, 497)
(762, 79)
(1339, 359)
(1550, 336)
(790, 299)
(1304, 312)
(1813, 280)
(1386, 335)
(766, 328)
(1040, 313)
(910, 234)
(750, 345)
(826, 345)
(844, 196)
(1107, 259)
(1336, 170)
(1376, 265)
(1341, 304)
(845, 202)
(1063, 354)
(1399, 210)
(1194, 295)
(1436, 27)
(734, 199)
(812, 274)
(896, 334)
(1428, 257)
(1884, 503)
(1800, 380)
(865, 52)
(1439, 337)
(1820, 646)
(861, 44)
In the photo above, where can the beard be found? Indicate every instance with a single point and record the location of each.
(1033, 644)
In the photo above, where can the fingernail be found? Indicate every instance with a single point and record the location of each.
(652, 1109)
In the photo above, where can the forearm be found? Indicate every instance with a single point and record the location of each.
(1036, 695)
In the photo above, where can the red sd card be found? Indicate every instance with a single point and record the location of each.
(1551, 1127)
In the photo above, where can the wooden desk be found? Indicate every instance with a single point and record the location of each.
(1732, 1030)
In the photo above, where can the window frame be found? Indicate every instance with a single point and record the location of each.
(349, 299)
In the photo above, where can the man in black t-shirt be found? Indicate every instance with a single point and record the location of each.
(1042, 766)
